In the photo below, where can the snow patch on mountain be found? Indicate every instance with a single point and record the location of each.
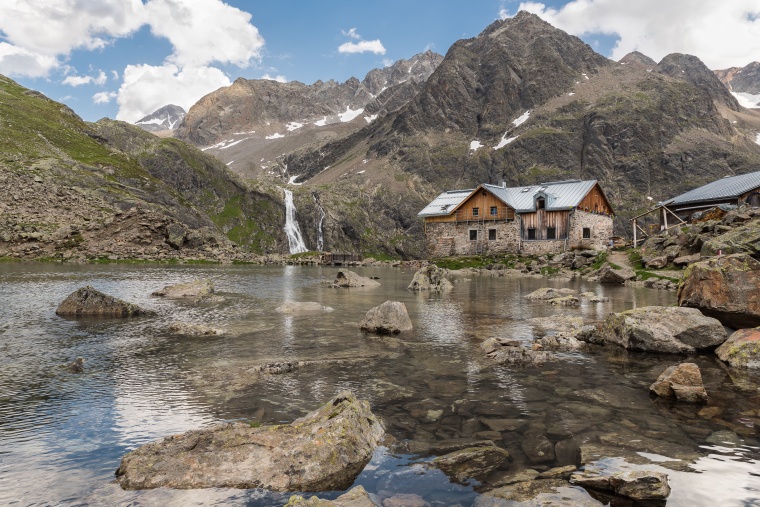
(349, 114)
(504, 141)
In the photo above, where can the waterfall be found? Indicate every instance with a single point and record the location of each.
(295, 240)
(320, 232)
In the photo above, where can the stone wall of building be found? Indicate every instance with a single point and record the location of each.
(444, 239)
(600, 227)
(450, 238)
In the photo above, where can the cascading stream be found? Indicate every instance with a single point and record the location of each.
(320, 232)
(292, 230)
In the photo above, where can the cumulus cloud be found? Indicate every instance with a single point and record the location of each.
(146, 88)
(200, 31)
(365, 46)
(205, 31)
(278, 78)
(16, 61)
(104, 97)
(100, 80)
(721, 34)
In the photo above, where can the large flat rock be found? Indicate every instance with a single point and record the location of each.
(324, 450)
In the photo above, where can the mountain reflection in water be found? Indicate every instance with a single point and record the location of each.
(62, 435)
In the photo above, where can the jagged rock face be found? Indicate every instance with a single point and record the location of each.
(691, 69)
(512, 66)
(167, 118)
(742, 79)
(636, 58)
(248, 103)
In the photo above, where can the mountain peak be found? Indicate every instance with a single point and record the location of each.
(691, 69)
(636, 58)
(166, 118)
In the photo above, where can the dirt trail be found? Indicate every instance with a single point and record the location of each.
(621, 259)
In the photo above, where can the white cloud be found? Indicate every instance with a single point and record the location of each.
(21, 62)
(721, 34)
(365, 46)
(278, 78)
(351, 33)
(39, 32)
(83, 80)
(147, 88)
(115, 75)
(205, 31)
(104, 97)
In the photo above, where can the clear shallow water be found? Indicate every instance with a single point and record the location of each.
(62, 435)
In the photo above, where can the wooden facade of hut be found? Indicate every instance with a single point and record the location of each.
(545, 218)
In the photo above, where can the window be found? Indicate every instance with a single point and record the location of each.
(473, 235)
(551, 233)
(491, 234)
(494, 211)
(475, 212)
(540, 203)
(531, 233)
(587, 233)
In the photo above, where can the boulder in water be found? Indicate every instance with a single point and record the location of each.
(190, 329)
(89, 302)
(430, 278)
(302, 307)
(76, 366)
(355, 497)
(742, 349)
(683, 382)
(634, 484)
(471, 463)
(347, 278)
(322, 451)
(663, 329)
(195, 291)
(390, 317)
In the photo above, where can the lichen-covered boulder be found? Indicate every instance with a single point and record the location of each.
(471, 463)
(662, 329)
(89, 302)
(390, 317)
(742, 239)
(348, 278)
(322, 451)
(430, 278)
(725, 287)
(742, 349)
(683, 382)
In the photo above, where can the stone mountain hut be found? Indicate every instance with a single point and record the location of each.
(534, 219)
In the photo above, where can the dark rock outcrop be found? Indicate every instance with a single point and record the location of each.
(324, 450)
(89, 302)
(390, 317)
(471, 463)
(724, 287)
(663, 329)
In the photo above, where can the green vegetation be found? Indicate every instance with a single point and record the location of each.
(600, 259)
(634, 257)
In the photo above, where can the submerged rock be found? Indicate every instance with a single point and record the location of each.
(88, 302)
(663, 329)
(683, 382)
(350, 279)
(324, 450)
(742, 349)
(471, 463)
(189, 329)
(405, 500)
(390, 317)
(545, 492)
(634, 484)
(724, 287)
(305, 307)
(195, 291)
(550, 293)
(76, 366)
(430, 278)
(355, 497)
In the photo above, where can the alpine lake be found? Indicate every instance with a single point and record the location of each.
(62, 434)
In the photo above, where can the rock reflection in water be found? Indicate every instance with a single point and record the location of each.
(62, 435)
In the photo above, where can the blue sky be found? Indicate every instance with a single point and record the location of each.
(125, 58)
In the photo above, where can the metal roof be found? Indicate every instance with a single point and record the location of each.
(560, 195)
(732, 186)
(445, 203)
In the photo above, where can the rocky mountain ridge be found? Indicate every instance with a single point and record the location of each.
(743, 82)
(85, 191)
(168, 117)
